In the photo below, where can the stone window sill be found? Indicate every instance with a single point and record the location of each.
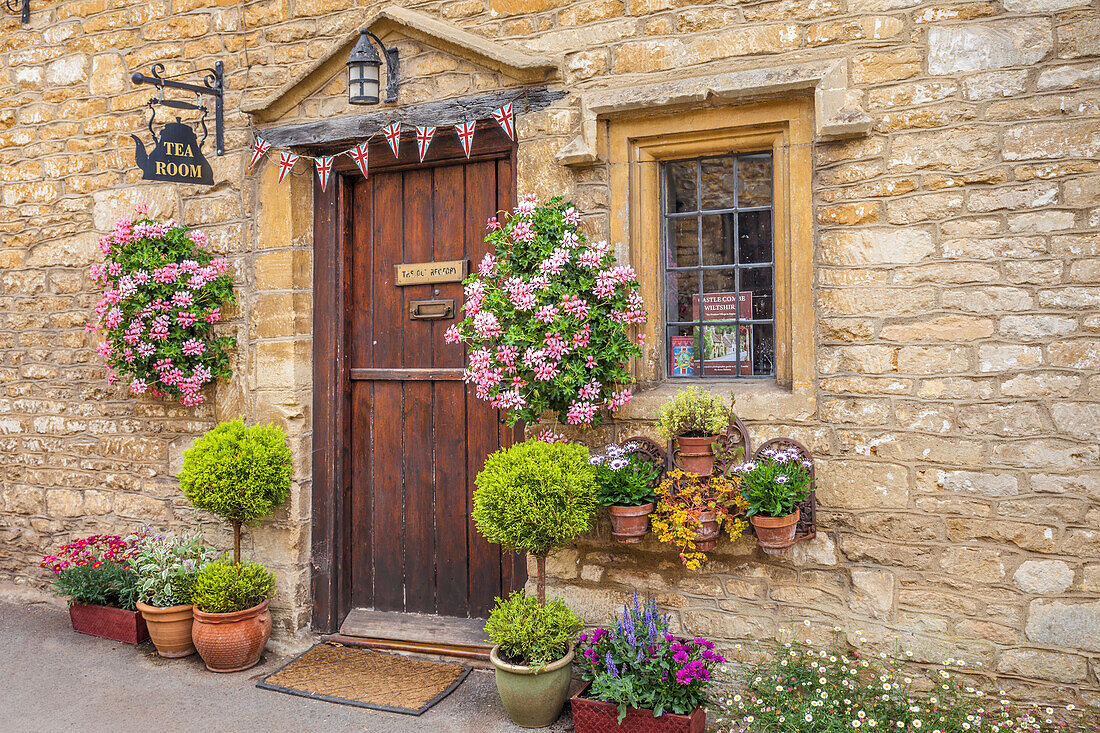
(756, 400)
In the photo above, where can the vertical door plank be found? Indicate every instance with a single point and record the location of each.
(417, 416)
(449, 243)
(387, 479)
(481, 420)
(360, 337)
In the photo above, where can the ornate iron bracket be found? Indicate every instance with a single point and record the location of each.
(25, 10)
(213, 85)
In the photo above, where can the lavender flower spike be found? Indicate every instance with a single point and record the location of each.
(611, 670)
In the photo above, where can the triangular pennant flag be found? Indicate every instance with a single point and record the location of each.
(392, 132)
(465, 136)
(324, 168)
(359, 153)
(286, 162)
(507, 120)
(258, 149)
(423, 140)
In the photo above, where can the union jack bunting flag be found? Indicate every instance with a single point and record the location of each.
(465, 136)
(359, 153)
(258, 149)
(423, 140)
(392, 132)
(286, 162)
(324, 168)
(506, 119)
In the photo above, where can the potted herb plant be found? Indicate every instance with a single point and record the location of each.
(533, 497)
(533, 656)
(692, 510)
(695, 419)
(166, 568)
(642, 679)
(771, 486)
(232, 621)
(239, 473)
(94, 572)
(625, 481)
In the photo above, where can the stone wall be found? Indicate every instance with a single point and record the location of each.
(957, 407)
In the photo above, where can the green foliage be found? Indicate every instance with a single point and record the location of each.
(225, 587)
(800, 689)
(535, 497)
(239, 473)
(166, 568)
(772, 484)
(624, 478)
(530, 633)
(99, 584)
(693, 413)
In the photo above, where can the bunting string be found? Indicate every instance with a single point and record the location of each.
(504, 116)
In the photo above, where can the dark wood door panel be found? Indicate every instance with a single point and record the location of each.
(418, 434)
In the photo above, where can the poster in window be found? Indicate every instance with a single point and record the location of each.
(722, 346)
(682, 356)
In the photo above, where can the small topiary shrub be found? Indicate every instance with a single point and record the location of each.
(693, 413)
(535, 497)
(239, 473)
(225, 587)
(530, 632)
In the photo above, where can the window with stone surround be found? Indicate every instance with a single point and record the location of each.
(718, 203)
(719, 286)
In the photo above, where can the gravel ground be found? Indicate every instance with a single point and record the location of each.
(53, 679)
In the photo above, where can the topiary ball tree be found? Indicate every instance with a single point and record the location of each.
(240, 473)
(535, 497)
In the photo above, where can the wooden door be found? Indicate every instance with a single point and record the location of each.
(418, 434)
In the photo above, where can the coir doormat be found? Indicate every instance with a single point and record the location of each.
(366, 678)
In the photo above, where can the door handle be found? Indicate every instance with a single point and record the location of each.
(431, 310)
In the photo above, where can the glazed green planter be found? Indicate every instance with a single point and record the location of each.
(533, 696)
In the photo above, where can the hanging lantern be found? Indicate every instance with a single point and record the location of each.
(364, 65)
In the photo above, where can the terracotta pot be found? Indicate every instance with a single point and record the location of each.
(597, 716)
(533, 696)
(108, 622)
(630, 523)
(706, 538)
(695, 455)
(230, 642)
(170, 629)
(775, 534)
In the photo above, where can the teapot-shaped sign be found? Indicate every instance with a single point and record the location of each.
(176, 157)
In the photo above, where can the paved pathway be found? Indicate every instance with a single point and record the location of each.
(55, 680)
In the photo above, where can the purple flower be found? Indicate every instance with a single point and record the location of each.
(680, 657)
(611, 669)
(584, 638)
(705, 643)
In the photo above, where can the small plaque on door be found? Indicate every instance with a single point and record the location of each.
(432, 272)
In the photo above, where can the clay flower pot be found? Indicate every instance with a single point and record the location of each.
(630, 523)
(706, 537)
(230, 642)
(695, 455)
(170, 629)
(533, 696)
(775, 534)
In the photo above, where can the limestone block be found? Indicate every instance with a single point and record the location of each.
(993, 84)
(111, 205)
(1043, 664)
(859, 484)
(875, 246)
(819, 551)
(944, 328)
(1046, 453)
(1051, 140)
(1075, 625)
(1043, 577)
(988, 45)
(976, 482)
(64, 503)
(1008, 357)
(1044, 384)
(1036, 326)
(952, 149)
(925, 417)
(1076, 354)
(1013, 419)
(1079, 419)
(923, 360)
(718, 625)
(988, 299)
(973, 563)
(872, 592)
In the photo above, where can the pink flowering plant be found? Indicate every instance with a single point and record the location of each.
(639, 664)
(96, 570)
(547, 319)
(162, 296)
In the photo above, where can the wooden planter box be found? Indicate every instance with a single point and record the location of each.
(597, 716)
(109, 623)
